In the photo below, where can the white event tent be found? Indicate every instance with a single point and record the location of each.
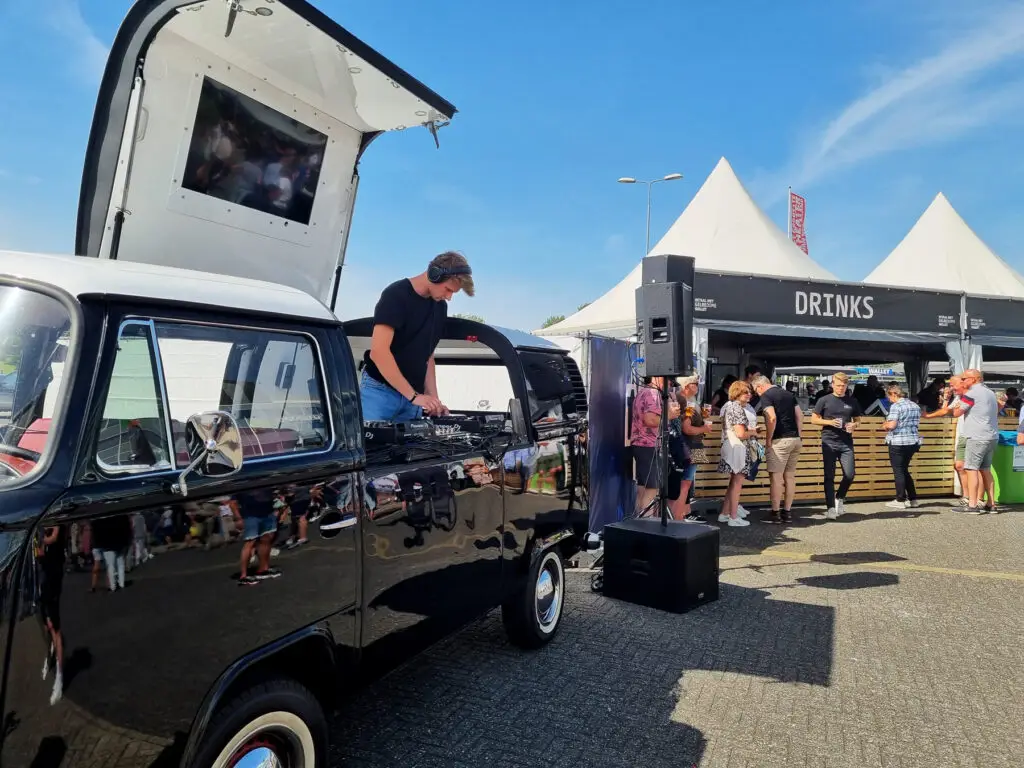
(943, 253)
(725, 231)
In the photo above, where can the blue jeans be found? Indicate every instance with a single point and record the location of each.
(382, 403)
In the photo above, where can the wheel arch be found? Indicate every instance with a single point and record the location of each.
(308, 656)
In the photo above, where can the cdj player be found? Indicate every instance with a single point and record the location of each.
(452, 426)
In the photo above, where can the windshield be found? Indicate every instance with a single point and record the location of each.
(34, 339)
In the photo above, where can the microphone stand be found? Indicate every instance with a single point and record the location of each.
(665, 455)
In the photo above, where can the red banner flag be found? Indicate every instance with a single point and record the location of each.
(797, 214)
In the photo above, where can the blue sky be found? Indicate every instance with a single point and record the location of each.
(868, 109)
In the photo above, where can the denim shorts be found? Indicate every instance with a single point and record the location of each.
(382, 403)
(256, 527)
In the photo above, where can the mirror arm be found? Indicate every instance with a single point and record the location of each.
(181, 487)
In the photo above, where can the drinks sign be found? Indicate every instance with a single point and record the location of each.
(749, 299)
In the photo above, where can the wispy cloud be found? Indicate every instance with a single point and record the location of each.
(943, 96)
(88, 52)
(11, 176)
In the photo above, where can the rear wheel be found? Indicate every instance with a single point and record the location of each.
(533, 615)
(276, 724)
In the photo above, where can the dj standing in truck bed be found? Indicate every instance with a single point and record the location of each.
(399, 381)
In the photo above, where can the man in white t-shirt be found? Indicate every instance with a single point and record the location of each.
(980, 409)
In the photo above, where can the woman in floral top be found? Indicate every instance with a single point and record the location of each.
(735, 461)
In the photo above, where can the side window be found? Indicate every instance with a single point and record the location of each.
(270, 382)
(468, 386)
(133, 427)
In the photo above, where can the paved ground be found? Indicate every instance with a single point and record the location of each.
(882, 639)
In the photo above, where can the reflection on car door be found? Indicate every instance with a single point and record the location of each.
(432, 549)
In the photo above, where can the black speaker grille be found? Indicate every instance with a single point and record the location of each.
(578, 387)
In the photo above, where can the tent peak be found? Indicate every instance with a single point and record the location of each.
(725, 230)
(942, 252)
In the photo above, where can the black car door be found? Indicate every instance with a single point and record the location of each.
(146, 608)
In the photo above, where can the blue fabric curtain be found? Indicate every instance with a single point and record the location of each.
(612, 491)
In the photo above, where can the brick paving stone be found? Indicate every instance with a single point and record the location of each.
(831, 662)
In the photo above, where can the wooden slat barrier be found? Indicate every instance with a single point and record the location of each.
(932, 467)
(1008, 423)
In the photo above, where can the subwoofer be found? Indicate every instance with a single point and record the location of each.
(668, 268)
(673, 568)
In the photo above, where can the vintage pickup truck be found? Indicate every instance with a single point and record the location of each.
(202, 544)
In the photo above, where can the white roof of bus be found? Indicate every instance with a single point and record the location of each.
(83, 276)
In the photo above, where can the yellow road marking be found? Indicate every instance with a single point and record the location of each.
(882, 565)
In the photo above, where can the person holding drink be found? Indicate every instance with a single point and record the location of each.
(836, 414)
(693, 427)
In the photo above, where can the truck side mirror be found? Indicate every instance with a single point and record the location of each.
(214, 446)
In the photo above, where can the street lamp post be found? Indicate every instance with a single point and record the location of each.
(631, 180)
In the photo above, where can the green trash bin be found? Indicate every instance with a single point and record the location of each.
(1009, 484)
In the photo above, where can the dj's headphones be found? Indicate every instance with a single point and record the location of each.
(436, 274)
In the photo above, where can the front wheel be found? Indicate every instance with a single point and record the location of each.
(278, 723)
(533, 614)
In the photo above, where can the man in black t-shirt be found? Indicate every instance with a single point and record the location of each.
(749, 374)
(783, 422)
(399, 382)
(835, 413)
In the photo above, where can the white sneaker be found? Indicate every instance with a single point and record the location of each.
(913, 504)
(738, 522)
(840, 507)
(831, 514)
(724, 518)
(897, 504)
(58, 688)
(741, 512)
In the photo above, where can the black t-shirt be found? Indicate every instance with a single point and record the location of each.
(52, 558)
(831, 407)
(113, 533)
(418, 322)
(785, 406)
(929, 398)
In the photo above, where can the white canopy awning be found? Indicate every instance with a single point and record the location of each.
(942, 252)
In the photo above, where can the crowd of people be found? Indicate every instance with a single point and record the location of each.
(837, 409)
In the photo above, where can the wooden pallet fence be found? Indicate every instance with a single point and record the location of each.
(932, 467)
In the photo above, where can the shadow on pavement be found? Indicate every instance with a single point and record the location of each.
(860, 580)
(856, 558)
(606, 692)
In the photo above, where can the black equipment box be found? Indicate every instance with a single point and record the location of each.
(668, 268)
(673, 568)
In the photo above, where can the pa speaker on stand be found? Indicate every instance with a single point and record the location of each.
(666, 564)
(664, 328)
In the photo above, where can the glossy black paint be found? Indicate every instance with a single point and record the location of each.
(431, 546)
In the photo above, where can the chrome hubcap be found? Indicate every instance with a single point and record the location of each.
(259, 757)
(548, 595)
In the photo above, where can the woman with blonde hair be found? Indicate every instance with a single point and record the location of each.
(739, 446)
